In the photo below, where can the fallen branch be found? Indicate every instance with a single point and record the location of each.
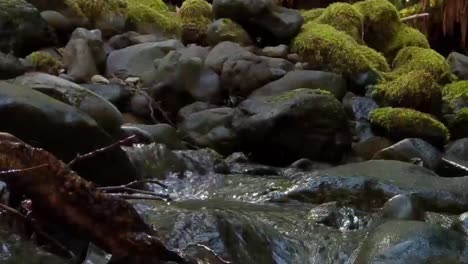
(408, 18)
(60, 197)
(96, 152)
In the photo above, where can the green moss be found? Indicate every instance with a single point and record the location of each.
(343, 17)
(458, 124)
(311, 14)
(93, 9)
(332, 104)
(327, 48)
(405, 37)
(415, 89)
(195, 8)
(228, 30)
(44, 62)
(381, 21)
(416, 58)
(196, 16)
(455, 91)
(400, 123)
(376, 59)
(154, 12)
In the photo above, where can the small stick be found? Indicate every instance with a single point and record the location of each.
(414, 17)
(134, 183)
(95, 152)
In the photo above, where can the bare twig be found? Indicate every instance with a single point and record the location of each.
(95, 152)
(414, 17)
(140, 197)
(133, 183)
(9, 172)
(38, 229)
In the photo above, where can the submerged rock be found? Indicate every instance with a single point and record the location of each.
(403, 207)
(398, 242)
(370, 184)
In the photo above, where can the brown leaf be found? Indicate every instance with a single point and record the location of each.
(59, 195)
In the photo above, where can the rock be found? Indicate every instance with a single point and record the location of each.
(237, 157)
(57, 21)
(117, 94)
(272, 22)
(458, 151)
(211, 128)
(11, 67)
(105, 114)
(280, 51)
(410, 149)
(243, 74)
(302, 123)
(159, 133)
(221, 52)
(278, 64)
(359, 107)
(23, 29)
(190, 109)
(99, 79)
(362, 130)
(461, 224)
(459, 65)
(64, 131)
(304, 79)
(342, 218)
(403, 207)
(140, 105)
(133, 38)
(84, 54)
(415, 242)
(225, 29)
(366, 149)
(370, 184)
(137, 59)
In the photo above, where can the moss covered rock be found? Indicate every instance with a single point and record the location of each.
(327, 48)
(405, 36)
(343, 17)
(417, 58)
(196, 16)
(401, 123)
(415, 89)
(44, 62)
(381, 22)
(150, 16)
(225, 29)
(455, 97)
(311, 14)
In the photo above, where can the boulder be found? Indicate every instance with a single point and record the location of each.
(137, 59)
(11, 67)
(261, 18)
(302, 123)
(23, 29)
(331, 82)
(412, 150)
(84, 55)
(63, 130)
(106, 115)
(459, 65)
